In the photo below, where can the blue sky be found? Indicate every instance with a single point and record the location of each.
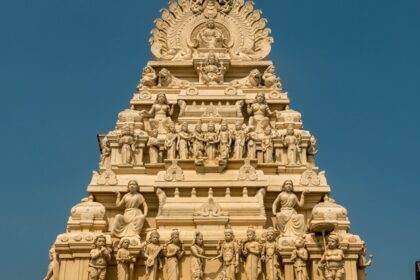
(351, 67)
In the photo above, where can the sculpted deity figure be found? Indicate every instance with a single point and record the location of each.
(149, 78)
(332, 261)
(54, 266)
(105, 153)
(229, 253)
(198, 139)
(100, 255)
(210, 37)
(183, 145)
(127, 141)
(197, 6)
(225, 141)
(267, 146)
(125, 262)
(211, 71)
(270, 257)
(299, 258)
(289, 222)
(173, 252)
(312, 151)
(251, 249)
(153, 144)
(270, 78)
(363, 263)
(211, 138)
(152, 253)
(239, 137)
(292, 144)
(259, 112)
(251, 145)
(171, 142)
(131, 223)
(198, 257)
(161, 112)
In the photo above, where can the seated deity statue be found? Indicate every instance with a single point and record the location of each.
(131, 222)
(211, 37)
(161, 113)
(270, 79)
(259, 112)
(289, 222)
(211, 71)
(332, 261)
(100, 255)
(149, 78)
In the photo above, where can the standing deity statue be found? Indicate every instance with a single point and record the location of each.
(54, 266)
(251, 249)
(210, 37)
(270, 78)
(183, 144)
(292, 144)
(289, 222)
(149, 78)
(363, 263)
(100, 255)
(197, 257)
(152, 253)
(173, 252)
(259, 112)
(267, 146)
(127, 141)
(299, 258)
(131, 223)
(312, 151)
(239, 137)
(105, 153)
(211, 139)
(270, 256)
(153, 144)
(251, 145)
(211, 71)
(161, 112)
(125, 262)
(198, 139)
(171, 141)
(332, 261)
(225, 141)
(229, 253)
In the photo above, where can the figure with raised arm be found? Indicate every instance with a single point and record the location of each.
(100, 255)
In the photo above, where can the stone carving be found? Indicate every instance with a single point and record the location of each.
(299, 258)
(225, 141)
(161, 198)
(212, 71)
(259, 112)
(309, 177)
(292, 143)
(100, 255)
(197, 257)
(260, 195)
(239, 137)
(125, 262)
(53, 272)
(267, 146)
(210, 37)
(173, 251)
(289, 222)
(238, 107)
(182, 106)
(153, 144)
(105, 153)
(174, 172)
(253, 80)
(332, 261)
(131, 223)
(161, 113)
(171, 141)
(197, 6)
(247, 172)
(127, 141)
(106, 178)
(363, 263)
(149, 78)
(211, 139)
(312, 151)
(198, 139)
(210, 209)
(270, 256)
(167, 80)
(152, 253)
(228, 250)
(183, 145)
(270, 79)
(251, 145)
(251, 249)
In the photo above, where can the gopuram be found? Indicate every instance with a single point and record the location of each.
(209, 174)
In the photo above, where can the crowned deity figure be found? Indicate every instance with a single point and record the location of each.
(299, 258)
(127, 142)
(251, 249)
(171, 141)
(211, 139)
(173, 251)
(183, 144)
(229, 254)
(289, 222)
(332, 261)
(270, 256)
(160, 113)
(100, 255)
(267, 146)
(225, 141)
(131, 222)
(152, 253)
(292, 144)
(239, 137)
(210, 37)
(197, 257)
(259, 112)
(212, 71)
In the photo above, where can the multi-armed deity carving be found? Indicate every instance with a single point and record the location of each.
(173, 251)
(210, 37)
(125, 262)
(251, 249)
(212, 70)
(270, 256)
(289, 222)
(300, 258)
(153, 254)
(197, 257)
(131, 222)
(332, 261)
(100, 255)
(229, 254)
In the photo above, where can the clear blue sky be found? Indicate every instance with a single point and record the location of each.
(67, 67)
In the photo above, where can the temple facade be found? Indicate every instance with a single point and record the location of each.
(209, 172)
